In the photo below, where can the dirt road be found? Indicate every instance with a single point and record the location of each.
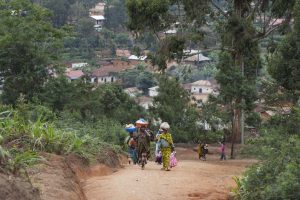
(190, 180)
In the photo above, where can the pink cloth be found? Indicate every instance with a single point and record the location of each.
(222, 149)
(173, 160)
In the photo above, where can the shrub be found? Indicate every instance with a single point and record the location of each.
(277, 176)
(23, 137)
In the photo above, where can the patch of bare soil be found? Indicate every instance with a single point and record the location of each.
(55, 179)
(60, 177)
(16, 188)
(192, 179)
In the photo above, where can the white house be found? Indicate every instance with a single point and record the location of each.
(201, 90)
(99, 20)
(109, 73)
(79, 65)
(171, 32)
(202, 87)
(134, 57)
(105, 74)
(153, 91)
(194, 57)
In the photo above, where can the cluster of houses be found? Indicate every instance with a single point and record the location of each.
(109, 70)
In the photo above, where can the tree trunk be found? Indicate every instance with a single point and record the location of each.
(237, 111)
(239, 63)
(236, 124)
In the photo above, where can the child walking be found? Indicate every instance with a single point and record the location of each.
(223, 156)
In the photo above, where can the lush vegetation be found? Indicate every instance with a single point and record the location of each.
(277, 175)
(29, 43)
(30, 129)
(256, 62)
(248, 43)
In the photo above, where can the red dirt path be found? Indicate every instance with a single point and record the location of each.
(192, 179)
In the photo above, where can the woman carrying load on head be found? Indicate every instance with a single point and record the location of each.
(143, 145)
(167, 145)
(130, 142)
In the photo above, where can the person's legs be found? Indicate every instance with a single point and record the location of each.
(223, 157)
(166, 152)
(139, 153)
(135, 158)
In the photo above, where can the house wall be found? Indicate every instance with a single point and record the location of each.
(79, 65)
(198, 89)
(153, 92)
(105, 79)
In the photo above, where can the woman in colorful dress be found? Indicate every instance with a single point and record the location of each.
(143, 145)
(167, 145)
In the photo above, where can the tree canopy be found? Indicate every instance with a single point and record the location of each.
(29, 47)
(284, 65)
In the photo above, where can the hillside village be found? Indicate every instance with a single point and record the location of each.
(109, 69)
(111, 64)
(150, 94)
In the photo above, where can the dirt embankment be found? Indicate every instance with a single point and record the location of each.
(57, 177)
(13, 188)
(61, 177)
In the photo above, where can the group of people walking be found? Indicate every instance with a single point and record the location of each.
(139, 140)
(203, 150)
(139, 146)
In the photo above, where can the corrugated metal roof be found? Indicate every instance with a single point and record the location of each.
(98, 17)
(74, 74)
(202, 83)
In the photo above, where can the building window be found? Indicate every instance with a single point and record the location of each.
(112, 79)
(105, 80)
(200, 90)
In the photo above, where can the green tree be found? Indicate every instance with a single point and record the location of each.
(139, 78)
(90, 104)
(123, 40)
(60, 10)
(56, 93)
(145, 80)
(285, 62)
(173, 105)
(239, 60)
(239, 39)
(78, 11)
(277, 175)
(116, 104)
(115, 14)
(29, 46)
